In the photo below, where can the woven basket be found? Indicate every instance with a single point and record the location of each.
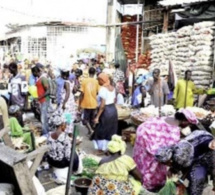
(136, 121)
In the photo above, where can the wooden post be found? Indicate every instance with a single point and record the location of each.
(166, 20)
(137, 35)
(108, 28)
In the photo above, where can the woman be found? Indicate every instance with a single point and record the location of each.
(112, 176)
(60, 146)
(119, 78)
(150, 136)
(67, 106)
(106, 119)
(194, 156)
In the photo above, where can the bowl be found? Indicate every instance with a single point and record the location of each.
(82, 185)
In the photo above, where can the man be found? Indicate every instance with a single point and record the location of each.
(43, 96)
(18, 87)
(184, 91)
(88, 100)
(158, 89)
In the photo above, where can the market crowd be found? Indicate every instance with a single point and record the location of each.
(91, 92)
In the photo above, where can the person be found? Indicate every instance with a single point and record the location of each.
(88, 102)
(67, 104)
(184, 91)
(150, 136)
(17, 131)
(60, 145)
(4, 122)
(78, 74)
(15, 111)
(158, 89)
(18, 87)
(119, 78)
(43, 96)
(119, 97)
(112, 175)
(194, 156)
(106, 118)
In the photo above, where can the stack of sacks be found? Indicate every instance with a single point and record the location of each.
(183, 54)
(163, 50)
(202, 60)
(157, 43)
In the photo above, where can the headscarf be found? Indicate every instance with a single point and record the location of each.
(105, 79)
(13, 109)
(164, 154)
(181, 153)
(117, 145)
(56, 120)
(190, 116)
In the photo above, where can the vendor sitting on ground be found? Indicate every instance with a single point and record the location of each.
(60, 146)
(16, 112)
(113, 172)
(17, 131)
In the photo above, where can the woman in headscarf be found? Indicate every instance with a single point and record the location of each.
(150, 136)
(60, 145)
(112, 176)
(106, 119)
(194, 156)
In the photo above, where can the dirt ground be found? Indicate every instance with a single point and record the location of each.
(87, 147)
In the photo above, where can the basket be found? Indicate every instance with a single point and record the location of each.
(136, 121)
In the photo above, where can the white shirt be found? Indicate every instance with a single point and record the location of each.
(108, 96)
(120, 99)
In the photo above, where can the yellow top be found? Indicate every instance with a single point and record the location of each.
(118, 169)
(180, 92)
(90, 88)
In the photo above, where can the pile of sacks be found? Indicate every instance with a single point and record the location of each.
(202, 60)
(191, 47)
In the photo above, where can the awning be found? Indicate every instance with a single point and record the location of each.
(180, 2)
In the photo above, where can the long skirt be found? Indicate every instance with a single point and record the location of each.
(102, 186)
(107, 127)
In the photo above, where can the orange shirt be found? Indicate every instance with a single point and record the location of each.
(90, 88)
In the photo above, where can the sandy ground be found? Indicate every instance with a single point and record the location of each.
(87, 146)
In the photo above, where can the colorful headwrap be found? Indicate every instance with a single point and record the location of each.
(190, 116)
(105, 79)
(117, 145)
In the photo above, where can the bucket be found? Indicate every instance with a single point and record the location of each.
(82, 185)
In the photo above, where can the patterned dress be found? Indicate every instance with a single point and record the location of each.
(70, 111)
(112, 178)
(152, 135)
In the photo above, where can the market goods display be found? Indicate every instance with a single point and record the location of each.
(90, 165)
(128, 36)
(140, 116)
(191, 47)
(123, 112)
(199, 112)
(144, 60)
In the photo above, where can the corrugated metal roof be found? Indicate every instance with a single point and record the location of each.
(180, 2)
